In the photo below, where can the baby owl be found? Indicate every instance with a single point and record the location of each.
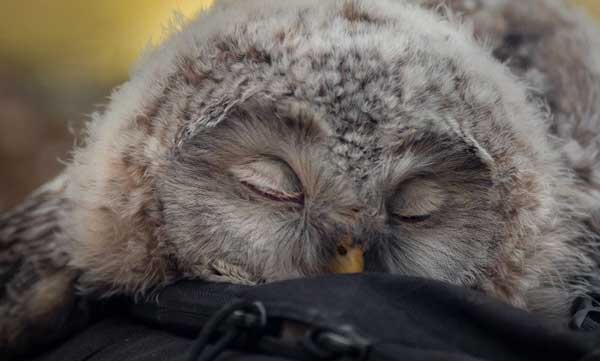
(456, 140)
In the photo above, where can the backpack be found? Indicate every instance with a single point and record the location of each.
(341, 317)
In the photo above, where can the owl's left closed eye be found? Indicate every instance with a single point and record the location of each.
(270, 178)
(416, 200)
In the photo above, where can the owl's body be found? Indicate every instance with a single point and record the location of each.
(253, 143)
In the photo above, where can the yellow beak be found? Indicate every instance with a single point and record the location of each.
(348, 259)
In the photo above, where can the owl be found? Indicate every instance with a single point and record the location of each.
(268, 140)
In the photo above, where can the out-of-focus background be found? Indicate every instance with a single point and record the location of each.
(59, 60)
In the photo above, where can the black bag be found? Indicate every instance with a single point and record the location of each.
(362, 317)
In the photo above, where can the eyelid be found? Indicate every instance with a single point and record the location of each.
(271, 178)
(416, 199)
(414, 219)
(277, 196)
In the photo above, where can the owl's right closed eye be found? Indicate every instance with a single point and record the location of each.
(280, 139)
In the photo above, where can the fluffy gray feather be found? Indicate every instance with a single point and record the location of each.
(456, 140)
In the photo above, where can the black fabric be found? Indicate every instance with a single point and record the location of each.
(586, 314)
(395, 318)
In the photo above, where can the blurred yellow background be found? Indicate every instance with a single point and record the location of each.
(97, 40)
(593, 6)
(58, 60)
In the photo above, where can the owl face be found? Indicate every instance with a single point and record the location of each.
(272, 188)
(278, 140)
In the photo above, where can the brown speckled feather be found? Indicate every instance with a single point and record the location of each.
(37, 288)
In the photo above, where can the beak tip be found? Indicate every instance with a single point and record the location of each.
(352, 261)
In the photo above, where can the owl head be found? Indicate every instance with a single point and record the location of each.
(279, 139)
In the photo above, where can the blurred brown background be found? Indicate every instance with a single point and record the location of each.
(58, 61)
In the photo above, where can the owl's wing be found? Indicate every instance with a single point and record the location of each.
(37, 293)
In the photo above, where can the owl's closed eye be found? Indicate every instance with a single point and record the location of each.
(270, 178)
(416, 199)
